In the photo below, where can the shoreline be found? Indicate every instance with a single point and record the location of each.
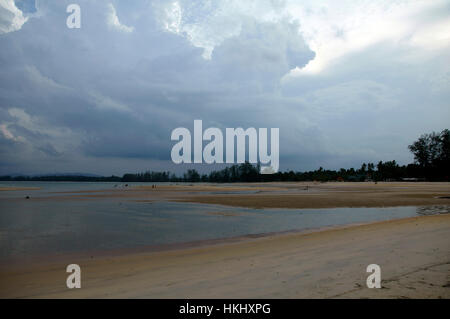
(296, 195)
(334, 195)
(85, 255)
(135, 274)
(48, 259)
(323, 262)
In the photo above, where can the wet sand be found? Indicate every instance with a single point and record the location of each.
(9, 189)
(278, 195)
(414, 255)
(329, 195)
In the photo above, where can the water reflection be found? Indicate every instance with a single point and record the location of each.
(30, 227)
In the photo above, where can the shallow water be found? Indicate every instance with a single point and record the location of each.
(44, 188)
(34, 228)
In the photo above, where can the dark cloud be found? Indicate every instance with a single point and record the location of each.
(106, 97)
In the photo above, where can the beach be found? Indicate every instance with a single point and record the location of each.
(414, 256)
(329, 195)
(325, 262)
(274, 195)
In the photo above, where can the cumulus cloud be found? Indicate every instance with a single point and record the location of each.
(263, 52)
(207, 24)
(113, 21)
(171, 17)
(345, 82)
(11, 17)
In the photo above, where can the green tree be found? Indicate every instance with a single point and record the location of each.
(432, 154)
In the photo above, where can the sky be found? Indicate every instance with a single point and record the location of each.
(346, 82)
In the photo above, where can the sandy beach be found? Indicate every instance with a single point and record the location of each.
(413, 253)
(224, 149)
(9, 189)
(328, 195)
(277, 195)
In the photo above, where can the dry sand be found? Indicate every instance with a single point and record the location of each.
(414, 255)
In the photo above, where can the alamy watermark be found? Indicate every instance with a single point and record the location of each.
(213, 152)
(74, 279)
(74, 19)
(374, 280)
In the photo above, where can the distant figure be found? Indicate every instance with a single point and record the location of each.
(126, 185)
(27, 197)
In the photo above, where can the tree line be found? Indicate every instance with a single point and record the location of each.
(431, 162)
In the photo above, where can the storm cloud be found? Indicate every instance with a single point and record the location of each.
(345, 82)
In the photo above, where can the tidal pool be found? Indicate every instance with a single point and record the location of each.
(44, 227)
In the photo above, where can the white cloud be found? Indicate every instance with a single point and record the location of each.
(114, 23)
(40, 134)
(11, 18)
(36, 125)
(40, 80)
(8, 135)
(172, 19)
(334, 29)
(434, 36)
(208, 24)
